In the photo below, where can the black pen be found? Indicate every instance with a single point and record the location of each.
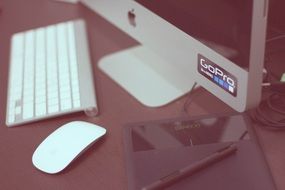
(192, 168)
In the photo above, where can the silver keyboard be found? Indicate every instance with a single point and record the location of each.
(50, 73)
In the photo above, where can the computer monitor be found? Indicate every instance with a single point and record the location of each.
(217, 43)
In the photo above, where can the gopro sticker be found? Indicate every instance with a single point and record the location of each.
(217, 75)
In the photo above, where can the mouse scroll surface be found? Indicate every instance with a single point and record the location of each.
(61, 147)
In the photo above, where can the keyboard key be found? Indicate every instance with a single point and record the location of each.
(11, 118)
(12, 111)
(76, 103)
(65, 104)
(28, 111)
(53, 101)
(41, 109)
(76, 96)
(53, 109)
(40, 99)
(18, 110)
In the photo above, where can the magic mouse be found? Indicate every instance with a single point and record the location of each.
(65, 144)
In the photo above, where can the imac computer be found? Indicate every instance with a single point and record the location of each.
(217, 43)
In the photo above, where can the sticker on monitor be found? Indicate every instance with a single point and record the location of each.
(217, 75)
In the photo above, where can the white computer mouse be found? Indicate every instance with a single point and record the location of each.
(65, 144)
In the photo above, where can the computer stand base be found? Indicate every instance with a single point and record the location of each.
(146, 76)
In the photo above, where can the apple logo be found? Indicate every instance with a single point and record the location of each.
(132, 18)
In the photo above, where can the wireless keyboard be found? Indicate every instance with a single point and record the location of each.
(50, 74)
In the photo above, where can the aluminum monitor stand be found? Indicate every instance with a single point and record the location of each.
(146, 76)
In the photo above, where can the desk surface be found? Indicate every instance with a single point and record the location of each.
(102, 166)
